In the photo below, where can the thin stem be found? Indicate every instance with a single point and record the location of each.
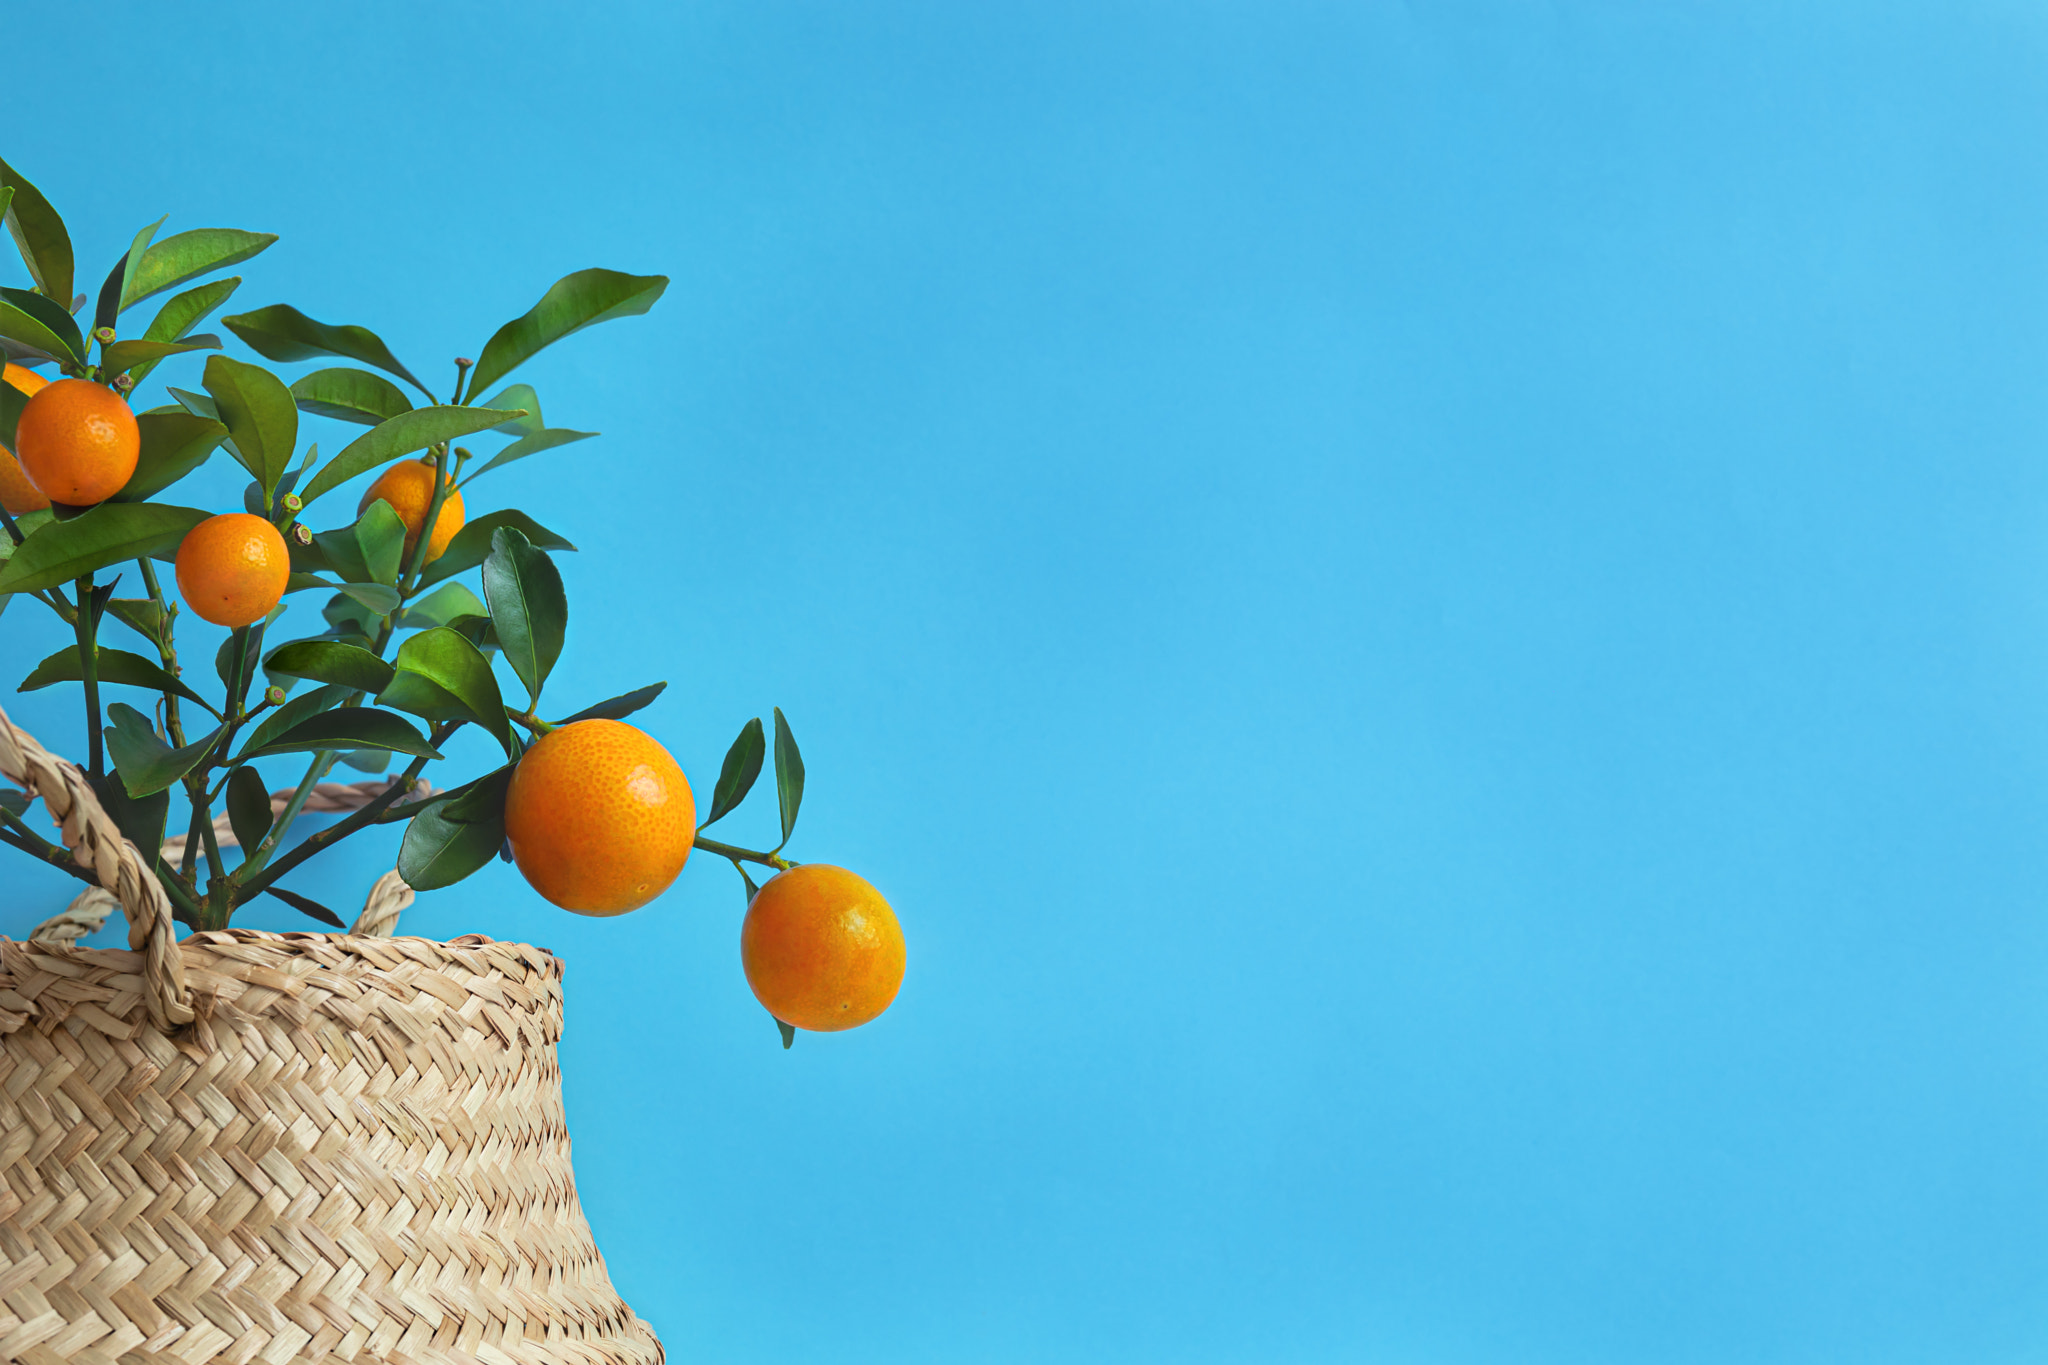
(408, 582)
(17, 835)
(774, 860)
(325, 838)
(173, 726)
(86, 623)
(13, 531)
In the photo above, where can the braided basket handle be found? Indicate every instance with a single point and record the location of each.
(96, 843)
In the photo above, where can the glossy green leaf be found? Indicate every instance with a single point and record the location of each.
(619, 707)
(574, 302)
(396, 437)
(36, 322)
(12, 401)
(182, 312)
(248, 803)
(306, 905)
(789, 774)
(469, 545)
(131, 268)
(140, 819)
(173, 445)
(447, 659)
(60, 551)
(148, 765)
(330, 661)
(350, 727)
(376, 596)
(139, 614)
(198, 404)
(109, 666)
(39, 232)
(368, 760)
(282, 332)
(736, 776)
(351, 396)
(261, 418)
(381, 537)
(422, 697)
(533, 445)
(440, 850)
(516, 396)
(292, 713)
(123, 356)
(441, 607)
(529, 608)
(187, 255)
(788, 1033)
(108, 308)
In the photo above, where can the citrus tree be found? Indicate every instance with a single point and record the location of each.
(418, 605)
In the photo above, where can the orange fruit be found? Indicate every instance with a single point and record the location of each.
(821, 948)
(17, 494)
(599, 816)
(409, 488)
(232, 568)
(77, 441)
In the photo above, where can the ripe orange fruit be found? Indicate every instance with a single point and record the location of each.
(232, 568)
(77, 441)
(409, 488)
(599, 816)
(17, 494)
(821, 948)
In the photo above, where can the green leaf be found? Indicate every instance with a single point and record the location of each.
(12, 401)
(377, 597)
(440, 850)
(108, 309)
(11, 801)
(736, 777)
(285, 717)
(448, 660)
(305, 905)
(399, 436)
(182, 312)
(39, 232)
(173, 445)
(533, 445)
(441, 608)
(617, 708)
(516, 396)
(123, 356)
(576, 301)
(60, 551)
(36, 322)
(249, 813)
(789, 775)
(349, 727)
(788, 1033)
(330, 661)
(368, 760)
(473, 542)
(528, 606)
(381, 537)
(198, 404)
(261, 418)
(424, 698)
(351, 396)
(140, 819)
(177, 259)
(109, 666)
(282, 332)
(148, 765)
(139, 614)
(224, 657)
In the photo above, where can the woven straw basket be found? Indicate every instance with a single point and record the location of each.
(284, 1147)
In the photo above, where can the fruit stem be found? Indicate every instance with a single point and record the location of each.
(84, 622)
(13, 531)
(774, 860)
(409, 580)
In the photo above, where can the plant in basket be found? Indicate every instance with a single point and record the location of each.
(218, 1146)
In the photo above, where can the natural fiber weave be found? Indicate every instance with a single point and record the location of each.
(354, 1152)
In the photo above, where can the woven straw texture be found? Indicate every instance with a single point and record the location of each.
(355, 1151)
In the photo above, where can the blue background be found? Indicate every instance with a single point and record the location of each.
(1432, 615)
